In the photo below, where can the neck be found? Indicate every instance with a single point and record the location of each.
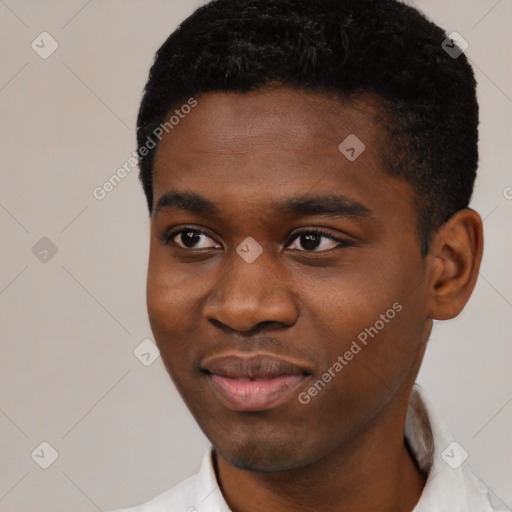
(370, 471)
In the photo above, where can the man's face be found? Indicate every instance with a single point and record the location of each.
(291, 257)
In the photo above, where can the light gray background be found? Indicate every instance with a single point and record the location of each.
(68, 375)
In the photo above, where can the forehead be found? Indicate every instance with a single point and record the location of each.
(230, 118)
(289, 121)
(263, 146)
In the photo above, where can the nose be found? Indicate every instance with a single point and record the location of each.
(249, 294)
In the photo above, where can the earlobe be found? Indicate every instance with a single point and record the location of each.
(455, 255)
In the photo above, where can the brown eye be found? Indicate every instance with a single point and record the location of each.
(191, 239)
(316, 241)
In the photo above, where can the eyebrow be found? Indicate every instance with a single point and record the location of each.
(187, 201)
(327, 205)
(300, 206)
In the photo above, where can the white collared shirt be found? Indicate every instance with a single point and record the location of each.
(451, 485)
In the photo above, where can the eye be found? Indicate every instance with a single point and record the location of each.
(316, 241)
(189, 238)
(307, 241)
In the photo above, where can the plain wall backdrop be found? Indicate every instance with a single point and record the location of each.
(72, 272)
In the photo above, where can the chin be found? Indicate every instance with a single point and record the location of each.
(264, 457)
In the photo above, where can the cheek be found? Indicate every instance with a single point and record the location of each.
(372, 315)
(175, 299)
(170, 294)
(167, 313)
(168, 303)
(350, 300)
(391, 332)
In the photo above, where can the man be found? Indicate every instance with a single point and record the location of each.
(308, 167)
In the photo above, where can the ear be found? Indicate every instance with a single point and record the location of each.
(454, 259)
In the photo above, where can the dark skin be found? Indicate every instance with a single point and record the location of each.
(305, 297)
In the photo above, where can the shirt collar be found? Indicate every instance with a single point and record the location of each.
(451, 485)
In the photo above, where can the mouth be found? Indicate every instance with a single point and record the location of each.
(253, 382)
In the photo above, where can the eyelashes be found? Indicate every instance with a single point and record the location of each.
(308, 239)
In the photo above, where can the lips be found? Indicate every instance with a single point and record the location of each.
(253, 382)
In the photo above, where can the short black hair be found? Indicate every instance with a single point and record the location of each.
(382, 48)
